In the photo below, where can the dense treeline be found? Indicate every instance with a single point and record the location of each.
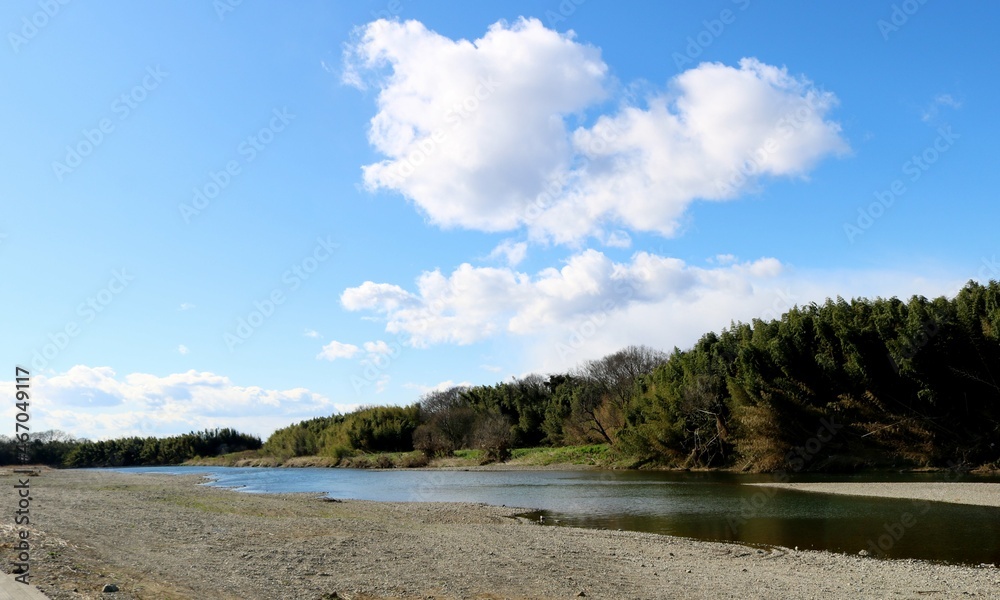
(373, 429)
(843, 385)
(56, 448)
(888, 383)
(173, 450)
(45, 448)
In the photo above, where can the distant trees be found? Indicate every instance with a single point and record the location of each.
(45, 447)
(135, 451)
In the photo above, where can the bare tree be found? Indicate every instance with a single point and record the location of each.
(617, 373)
(601, 405)
(589, 416)
(448, 421)
(52, 435)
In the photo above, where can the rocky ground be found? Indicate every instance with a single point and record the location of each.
(161, 537)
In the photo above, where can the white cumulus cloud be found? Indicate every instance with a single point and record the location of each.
(98, 403)
(477, 133)
(472, 131)
(593, 305)
(474, 303)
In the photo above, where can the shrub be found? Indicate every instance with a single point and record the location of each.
(493, 436)
(413, 460)
(428, 439)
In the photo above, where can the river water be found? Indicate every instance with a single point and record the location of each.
(707, 506)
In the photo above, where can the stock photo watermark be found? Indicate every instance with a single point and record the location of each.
(33, 24)
(122, 107)
(392, 10)
(990, 268)
(88, 311)
(455, 116)
(894, 531)
(754, 161)
(248, 149)
(376, 365)
(912, 345)
(565, 10)
(898, 17)
(381, 356)
(597, 144)
(711, 31)
(913, 169)
(796, 460)
(292, 279)
(784, 301)
(594, 322)
(22, 435)
(224, 7)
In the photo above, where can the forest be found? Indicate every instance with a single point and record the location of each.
(839, 386)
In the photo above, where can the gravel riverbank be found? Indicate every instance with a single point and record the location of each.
(160, 537)
(979, 494)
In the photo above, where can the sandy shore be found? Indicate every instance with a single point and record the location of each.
(161, 537)
(979, 494)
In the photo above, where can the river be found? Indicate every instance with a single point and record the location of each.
(706, 506)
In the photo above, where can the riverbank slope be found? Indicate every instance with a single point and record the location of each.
(165, 537)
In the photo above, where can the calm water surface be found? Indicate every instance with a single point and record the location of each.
(707, 506)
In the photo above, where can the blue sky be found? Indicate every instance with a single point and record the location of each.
(247, 214)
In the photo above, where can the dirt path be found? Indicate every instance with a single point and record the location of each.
(160, 537)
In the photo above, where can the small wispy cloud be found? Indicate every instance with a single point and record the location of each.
(440, 387)
(509, 252)
(311, 333)
(491, 368)
(618, 239)
(183, 349)
(185, 306)
(932, 110)
(377, 347)
(335, 350)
